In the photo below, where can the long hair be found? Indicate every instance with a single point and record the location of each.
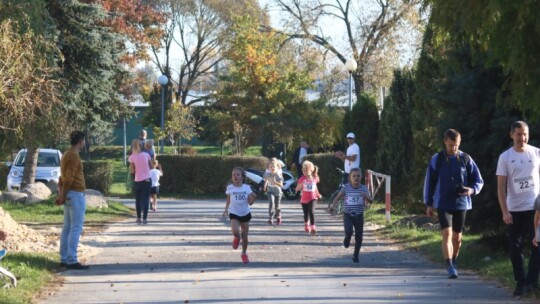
(135, 146)
(307, 163)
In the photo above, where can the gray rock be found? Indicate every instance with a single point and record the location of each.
(37, 192)
(94, 198)
(14, 197)
(53, 186)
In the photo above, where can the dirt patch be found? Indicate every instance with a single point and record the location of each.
(21, 238)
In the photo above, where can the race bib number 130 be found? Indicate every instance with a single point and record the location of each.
(523, 184)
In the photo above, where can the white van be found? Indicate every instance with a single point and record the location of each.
(48, 168)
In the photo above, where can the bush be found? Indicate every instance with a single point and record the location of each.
(98, 175)
(187, 150)
(328, 174)
(205, 174)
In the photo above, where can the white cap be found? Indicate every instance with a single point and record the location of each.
(350, 135)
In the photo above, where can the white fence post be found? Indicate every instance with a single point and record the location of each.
(370, 186)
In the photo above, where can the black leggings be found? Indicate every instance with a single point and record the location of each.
(309, 210)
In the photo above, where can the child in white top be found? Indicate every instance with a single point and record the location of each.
(239, 198)
(155, 174)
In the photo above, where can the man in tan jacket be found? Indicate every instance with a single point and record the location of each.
(71, 195)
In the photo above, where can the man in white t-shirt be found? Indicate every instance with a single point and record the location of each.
(351, 158)
(518, 186)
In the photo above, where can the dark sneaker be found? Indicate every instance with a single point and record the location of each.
(62, 264)
(270, 222)
(355, 260)
(78, 266)
(346, 242)
(144, 222)
(452, 272)
(139, 221)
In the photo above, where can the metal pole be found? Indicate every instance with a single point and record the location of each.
(162, 117)
(350, 91)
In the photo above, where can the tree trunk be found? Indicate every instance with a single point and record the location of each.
(30, 163)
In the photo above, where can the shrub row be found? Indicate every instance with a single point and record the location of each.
(203, 174)
(98, 175)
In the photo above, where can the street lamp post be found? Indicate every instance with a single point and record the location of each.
(162, 80)
(351, 66)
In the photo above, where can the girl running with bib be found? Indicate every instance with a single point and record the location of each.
(354, 196)
(239, 198)
(310, 194)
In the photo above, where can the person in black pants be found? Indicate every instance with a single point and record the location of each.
(517, 189)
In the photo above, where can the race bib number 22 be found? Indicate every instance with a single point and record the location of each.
(523, 184)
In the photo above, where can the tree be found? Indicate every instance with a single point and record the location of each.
(180, 124)
(91, 66)
(395, 150)
(462, 90)
(259, 86)
(371, 31)
(29, 91)
(507, 31)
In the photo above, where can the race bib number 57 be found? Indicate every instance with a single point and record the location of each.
(523, 184)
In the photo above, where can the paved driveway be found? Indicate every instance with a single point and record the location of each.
(184, 255)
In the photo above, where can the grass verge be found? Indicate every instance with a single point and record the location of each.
(34, 271)
(489, 263)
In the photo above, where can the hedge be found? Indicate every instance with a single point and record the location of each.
(98, 175)
(202, 174)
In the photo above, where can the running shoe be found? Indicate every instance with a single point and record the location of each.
(452, 272)
(355, 260)
(346, 242)
(279, 221)
(139, 221)
(270, 222)
(144, 222)
(306, 227)
(235, 242)
(313, 230)
(245, 259)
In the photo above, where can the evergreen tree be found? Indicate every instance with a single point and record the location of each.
(395, 151)
(91, 66)
(460, 93)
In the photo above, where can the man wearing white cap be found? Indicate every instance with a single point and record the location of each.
(351, 159)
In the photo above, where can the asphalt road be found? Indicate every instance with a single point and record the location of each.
(184, 255)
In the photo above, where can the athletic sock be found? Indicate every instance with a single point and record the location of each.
(454, 262)
(448, 262)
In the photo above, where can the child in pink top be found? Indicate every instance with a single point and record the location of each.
(310, 194)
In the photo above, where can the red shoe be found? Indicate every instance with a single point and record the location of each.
(306, 227)
(245, 259)
(279, 221)
(313, 230)
(270, 221)
(235, 242)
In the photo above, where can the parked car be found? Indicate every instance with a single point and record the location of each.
(48, 168)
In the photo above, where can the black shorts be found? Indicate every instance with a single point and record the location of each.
(154, 190)
(452, 218)
(242, 219)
